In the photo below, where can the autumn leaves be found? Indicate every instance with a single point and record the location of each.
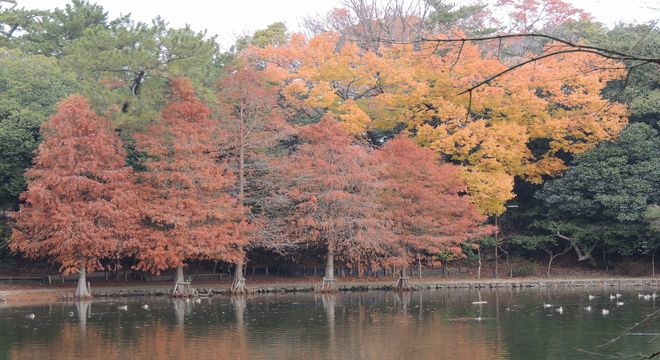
(555, 103)
(303, 112)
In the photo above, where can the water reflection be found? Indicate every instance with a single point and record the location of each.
(371, 325)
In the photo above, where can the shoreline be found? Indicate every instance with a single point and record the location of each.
(48, 294)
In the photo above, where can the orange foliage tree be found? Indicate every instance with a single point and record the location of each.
(188, 213)
(252, 121)
(333, 191)
(80, 205)
(425, 199)
(519, 124)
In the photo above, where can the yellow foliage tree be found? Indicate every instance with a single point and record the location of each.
(518, 125)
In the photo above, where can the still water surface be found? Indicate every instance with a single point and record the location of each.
(434, 324)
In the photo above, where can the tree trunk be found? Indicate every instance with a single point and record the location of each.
(329, 283)
(419, 267)
(179, 274)
(238, 280)
(403, 283)
(496, 246)
(241, 165)
(653, 263)
(180, 289)
(549, 265)
(82, 290)
(508, 263)
(330, 262)
(479, 268)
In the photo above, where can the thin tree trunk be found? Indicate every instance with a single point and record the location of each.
(82, 290)
(238, 280)
(553, 256)
(653, 263)
(508, 263)
(479, 268)
(496, 246)
(550, 265)
(419, 267)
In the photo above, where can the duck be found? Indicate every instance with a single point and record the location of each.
(606, 312)
(70, 313)
(619, 303)
(588, 308)
(560, 310)
(198, 301)
(653, 296)
(647, 297)
(545, 306)
(591, 297)
(122, 307)
(618, 296)
(612, 297)
(30, 316)
(145, 306)
(639, 296)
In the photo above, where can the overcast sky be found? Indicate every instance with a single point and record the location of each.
(231, 18)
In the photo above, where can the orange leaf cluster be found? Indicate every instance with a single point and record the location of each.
(518, 124)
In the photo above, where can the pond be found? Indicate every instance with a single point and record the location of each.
(430, 324)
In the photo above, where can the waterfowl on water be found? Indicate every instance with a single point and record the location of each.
(591, 297)
(560, 310)
(588, 308)
(122, 307)
(145, 306)
(606, 312)
(545, 306)
(30, 316)
(619, 303)
(612, 297)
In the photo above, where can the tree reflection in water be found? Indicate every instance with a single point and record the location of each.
(369, 325)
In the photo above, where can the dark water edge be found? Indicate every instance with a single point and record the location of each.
(426, 324)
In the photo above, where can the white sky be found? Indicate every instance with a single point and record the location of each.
(231, 18)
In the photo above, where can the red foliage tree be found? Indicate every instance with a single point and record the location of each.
(424, 199)
(333, 191)
(188, 211)
(252, 122)
(79, 207)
